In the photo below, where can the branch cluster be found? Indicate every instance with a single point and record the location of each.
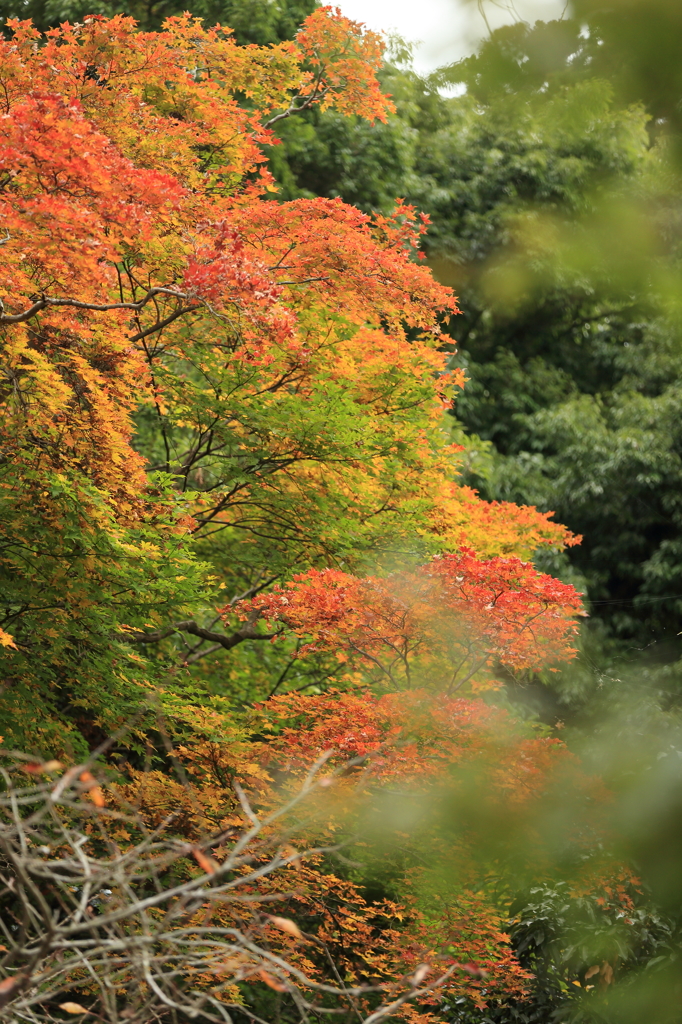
(137, 932)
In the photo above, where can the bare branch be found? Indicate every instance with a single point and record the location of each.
(134, 936)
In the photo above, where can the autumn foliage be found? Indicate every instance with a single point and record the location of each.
(449, 620)
(222, 438)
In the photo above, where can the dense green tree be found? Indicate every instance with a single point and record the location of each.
(551, 233)
(253, 21)
(632, 44)
(560, 229)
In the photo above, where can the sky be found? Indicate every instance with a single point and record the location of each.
(445, 29)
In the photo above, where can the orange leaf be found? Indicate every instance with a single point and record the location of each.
(93, 789)
(207, 864)
(8, 986)
(286, 925)
(272, 982)
(73, 1008)
(38, 768)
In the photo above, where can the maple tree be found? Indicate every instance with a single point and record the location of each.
(200, 382)
(209, 394)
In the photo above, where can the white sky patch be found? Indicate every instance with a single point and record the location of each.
(445, 30)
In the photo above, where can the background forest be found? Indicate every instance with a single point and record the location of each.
(272, 501)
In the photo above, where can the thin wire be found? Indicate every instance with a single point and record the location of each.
(635, 600)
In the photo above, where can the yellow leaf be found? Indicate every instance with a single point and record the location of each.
(6, 640)
(73, 1008)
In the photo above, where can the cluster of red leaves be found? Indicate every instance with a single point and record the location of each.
(76, 197)
(453, 618)
(342, 256)
(413, 736)
(105, 196)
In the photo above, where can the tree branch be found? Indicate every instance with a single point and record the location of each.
(45, 300)
(247, 632)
